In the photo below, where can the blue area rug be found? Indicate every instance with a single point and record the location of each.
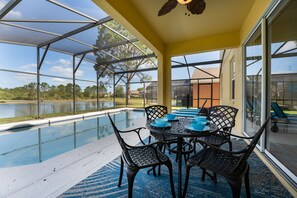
(103, 183)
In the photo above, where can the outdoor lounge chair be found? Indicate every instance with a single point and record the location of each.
(191, 112)
(280, 115)
(140, 157)
(231, 165)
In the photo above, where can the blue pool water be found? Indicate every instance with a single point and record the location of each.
(28, 146)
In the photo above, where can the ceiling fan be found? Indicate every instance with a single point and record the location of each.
(194, 6)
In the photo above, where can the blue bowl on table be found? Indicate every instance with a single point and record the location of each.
(199, 119)
(198, 125)
(170, 116)
(161, 122)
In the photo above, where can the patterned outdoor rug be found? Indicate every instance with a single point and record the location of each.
(103, 183)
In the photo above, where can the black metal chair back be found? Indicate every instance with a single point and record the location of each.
(155, 111)
(223, 117)
(124, 146)
(249, 149)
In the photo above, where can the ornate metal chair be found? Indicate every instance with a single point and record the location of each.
(140, 157)
(224, 118)
(153, 112)
(158, 111)
(231, 165)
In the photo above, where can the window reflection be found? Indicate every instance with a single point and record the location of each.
(253, 82)
(282, 136)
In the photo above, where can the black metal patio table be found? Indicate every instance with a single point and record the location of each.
(178, 130)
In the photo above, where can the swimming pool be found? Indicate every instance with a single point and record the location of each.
(28, 146)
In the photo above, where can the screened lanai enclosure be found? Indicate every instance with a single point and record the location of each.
(65, 57)
(196, 79)
(61, 57)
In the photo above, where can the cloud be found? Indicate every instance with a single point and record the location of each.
(28, 66)
(25, 78)
(63, 67)
(60, 81)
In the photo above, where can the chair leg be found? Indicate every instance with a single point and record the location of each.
(215, 178)
(121, 172)
(152, 169)
(149, 139)
(169, 166)
(247, 183)
(236, 187)
(230, 145)
(186, 181)
(159, 170)
(130, 176)
(203, 174)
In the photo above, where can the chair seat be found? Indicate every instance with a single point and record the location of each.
(217, 161)
(216, 140)
(146, 156)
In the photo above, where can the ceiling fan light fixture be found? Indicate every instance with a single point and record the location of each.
(184, 1)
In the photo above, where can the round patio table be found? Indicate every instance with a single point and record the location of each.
(178, 130)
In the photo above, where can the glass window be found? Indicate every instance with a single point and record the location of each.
(232, 79)
(253, 82)
(281, 139)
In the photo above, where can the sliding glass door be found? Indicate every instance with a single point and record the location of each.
(281, 138)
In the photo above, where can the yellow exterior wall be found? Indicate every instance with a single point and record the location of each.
(236, 55)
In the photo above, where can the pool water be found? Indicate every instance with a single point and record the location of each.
(29, 146)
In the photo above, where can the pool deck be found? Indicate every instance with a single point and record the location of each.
(56, 175)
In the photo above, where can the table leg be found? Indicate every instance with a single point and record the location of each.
(179, 154)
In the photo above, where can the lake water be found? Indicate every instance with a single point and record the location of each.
(24, 109)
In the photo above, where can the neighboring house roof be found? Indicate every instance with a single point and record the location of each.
(134, 92)
(205, 75)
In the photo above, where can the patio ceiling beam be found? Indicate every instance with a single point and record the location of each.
(43, 57)
(282, 45)
(9, 6)
(257, 58)
(68, 34)
(72, 10)
(119, 79)
(121, 35)
(127, 59)
(134, 71)
(107, 46)
(222, 63)
(178, 62)
(198, 63)
(139, 70)
(44, 32)
(289, 50)
(100, 75)
(206, 72)
(81, 59)
(187, 67)
(45, 21)
(117, 44)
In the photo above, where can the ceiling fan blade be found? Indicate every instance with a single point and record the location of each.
(196, 6)
(167, 7)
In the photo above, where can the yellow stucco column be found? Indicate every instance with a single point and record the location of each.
(164, 80)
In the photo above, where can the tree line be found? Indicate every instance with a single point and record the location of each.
(51, 92)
